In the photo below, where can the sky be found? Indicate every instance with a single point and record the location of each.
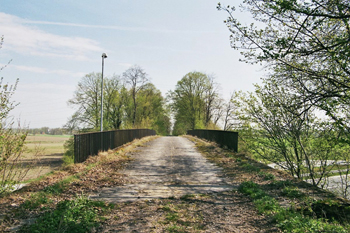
(53, 44)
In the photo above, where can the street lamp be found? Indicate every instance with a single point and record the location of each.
(103, 58)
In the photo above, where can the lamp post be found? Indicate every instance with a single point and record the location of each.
(103, 58)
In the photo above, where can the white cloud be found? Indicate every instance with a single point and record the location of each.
(48, 71)
(119, 28)
(28, 40)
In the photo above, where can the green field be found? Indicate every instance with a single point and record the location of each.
(45, 151)
(51, 144)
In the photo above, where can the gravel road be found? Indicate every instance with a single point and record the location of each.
(165, 167)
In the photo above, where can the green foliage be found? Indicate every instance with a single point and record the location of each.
(175, 229)
(79, 215)
(281, 184)
(172, 217)
(266, 176)
(252, 189)
(68, 156)
(278, 131)
(131, 102)
(288, 220)
(194, 102)
(305, 46)
(267, 205)
(59, 187)
(297, 223)
(292, 192)
(249, 167)
(333, 210)
(35, 201)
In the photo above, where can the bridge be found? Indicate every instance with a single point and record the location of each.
(167, 167)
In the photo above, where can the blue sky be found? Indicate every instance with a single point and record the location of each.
(53, 44)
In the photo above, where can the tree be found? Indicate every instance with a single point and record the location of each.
(194, 102)
(136, 79)
(114, 103)
(210, 104)
(87, 99)
(230, 120)
(152, 112)
(308, 41)
(134, 103)
(293, 138)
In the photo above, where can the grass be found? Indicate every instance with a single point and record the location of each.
(51, 144)
(44, 153)
(266, 176)
(292, 192)
(78, 215)
(289, 219)
(35, 201)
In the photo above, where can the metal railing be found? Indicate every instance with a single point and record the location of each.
(223, 138)
(91, 143)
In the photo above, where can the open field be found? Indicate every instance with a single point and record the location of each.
(47, 150)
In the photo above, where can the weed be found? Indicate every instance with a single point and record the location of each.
(292, 192)
(166, 208)
(249, 167)
(278, 184)
(288, 220)
(35, 201)
(252, 189)
(79, 215)
(294, 222)
(172, 217)
(329, 209)
(187, 196)
(59, 187)
(229, 155)
(267, 205)
(267, 176)
(175, 229)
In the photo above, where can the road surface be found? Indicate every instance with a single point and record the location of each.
(165, 167)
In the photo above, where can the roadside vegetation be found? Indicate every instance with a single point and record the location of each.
(298, 117)
(291, 204)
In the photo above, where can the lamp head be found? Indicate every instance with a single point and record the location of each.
(104, 55)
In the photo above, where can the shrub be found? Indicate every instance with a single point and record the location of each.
(68, 156)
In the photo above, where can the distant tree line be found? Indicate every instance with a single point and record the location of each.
(129, 101)
(49, 131)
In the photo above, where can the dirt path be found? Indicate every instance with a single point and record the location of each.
(167, 167)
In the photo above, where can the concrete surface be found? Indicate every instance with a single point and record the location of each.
(165, 167)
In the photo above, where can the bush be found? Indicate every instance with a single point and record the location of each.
(68, 156)
(12, 141)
